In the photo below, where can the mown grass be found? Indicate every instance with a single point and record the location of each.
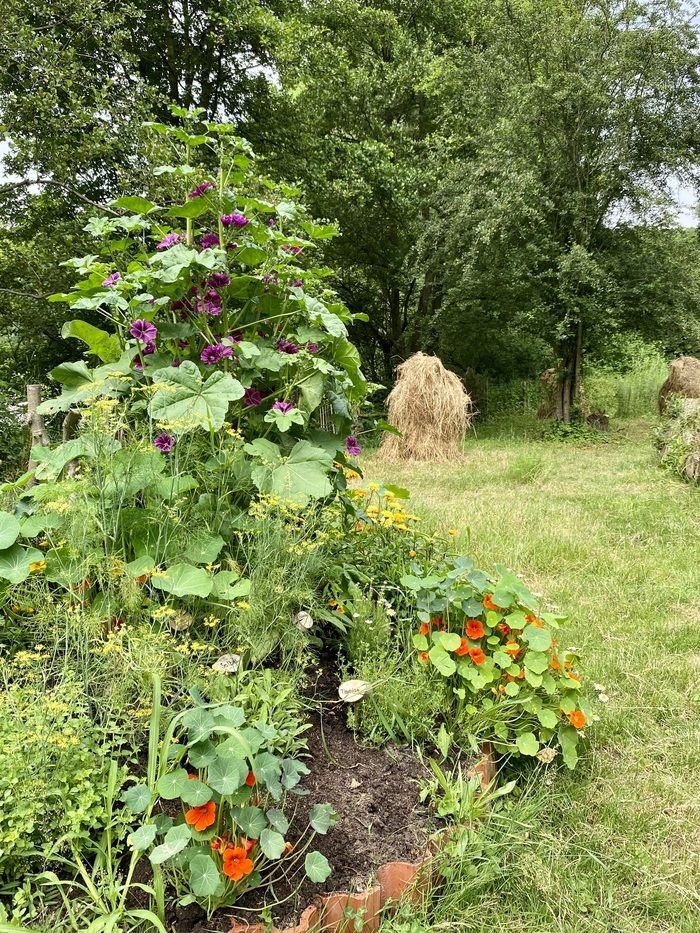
(607, 536)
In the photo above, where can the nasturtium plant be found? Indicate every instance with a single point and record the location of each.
(233, 789)
(502, 657)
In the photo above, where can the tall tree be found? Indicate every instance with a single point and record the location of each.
(574, 118)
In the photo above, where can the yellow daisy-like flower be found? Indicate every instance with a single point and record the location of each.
(37, 566)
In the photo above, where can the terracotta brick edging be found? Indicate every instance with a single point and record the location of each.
(395, 881)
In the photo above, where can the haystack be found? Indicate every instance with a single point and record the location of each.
(683, 379)
(432, 410)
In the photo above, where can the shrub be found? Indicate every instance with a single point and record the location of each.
(52, 773)
(678, 439)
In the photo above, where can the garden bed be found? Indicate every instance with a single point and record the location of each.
(374, 792)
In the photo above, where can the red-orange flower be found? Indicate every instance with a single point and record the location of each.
(437, 622)
(503, 628)
(490, 604)
(248, 845)
(463, 647)
(250, 780)
(423, 657)
(236, 864)
(533, 620)
(424, 628)
(512, 648)
(475, 629)
(577, 719)
(477, 655)
(201, 817)
(554, 663)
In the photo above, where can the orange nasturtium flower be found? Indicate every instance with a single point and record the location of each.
(423, 657)
(424, 628)
(554, 662)
(250, 780)
(201, 817)
(490, 604)
(475, 629)
(512, 648)
(577, 719)
(533, 620)
(236, 864)
(477, 655)
(463, 647)
(437, 622)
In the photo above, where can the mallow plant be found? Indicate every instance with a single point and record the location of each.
(212, 343)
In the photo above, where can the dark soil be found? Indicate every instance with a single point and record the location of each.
(374, 791)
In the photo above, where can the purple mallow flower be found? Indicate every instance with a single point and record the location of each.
(215, 353)
(252, 397)
(210, 303)
(170, 239)
(283, 407)
(200, 189)
(297, 283)
(234, 220)
(111, 280)
(164, 443)
(312, 347)
(294, 250)
(219, 280)
(352, 448)
(144, 331)
(286, 346)
(271, 222)
(209, 240)
(149, 348)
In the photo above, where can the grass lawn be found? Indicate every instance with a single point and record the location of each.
(615, 542)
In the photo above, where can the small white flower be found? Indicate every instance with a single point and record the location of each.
(603, 697)
(356, 615)
(598, 687)
(390, 612)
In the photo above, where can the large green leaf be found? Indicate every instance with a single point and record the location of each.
(103, 345)
(301, 476)
(175, 841)
(539, 639)
(319, 314)
(204, 548)
(205, 880)
(183, 580)
(317, 867)
(227, 773)
(186, 402)
(9, 530)
(272, 843)
(84, 385)
(15, 561)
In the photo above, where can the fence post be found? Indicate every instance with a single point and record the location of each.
(37, 427)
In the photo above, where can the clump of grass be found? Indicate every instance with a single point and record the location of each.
(527, 467)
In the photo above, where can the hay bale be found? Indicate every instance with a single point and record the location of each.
(683, 380)
(432, 410)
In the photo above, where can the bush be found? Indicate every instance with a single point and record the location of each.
(678, 439)
(53, 770)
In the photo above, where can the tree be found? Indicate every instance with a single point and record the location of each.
(352, 119)
(576, 116)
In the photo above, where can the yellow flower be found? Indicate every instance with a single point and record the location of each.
(373, 487)
(453, 533)
(243, 604)
(412, 553)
